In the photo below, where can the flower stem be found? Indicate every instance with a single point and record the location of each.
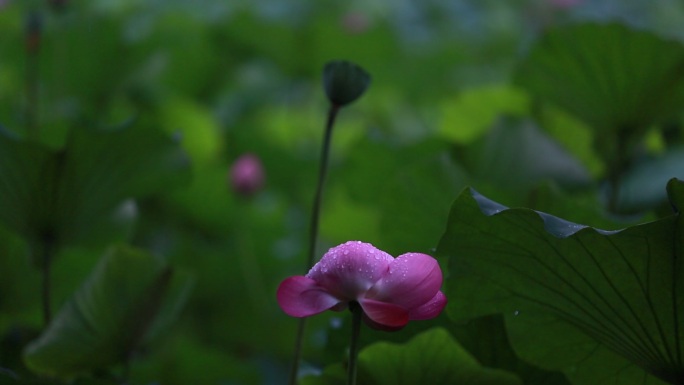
(313, 231)
(32, 42)
(322, 172)
(294, 370)
(357, 312)
(616, 168)
(46, 256)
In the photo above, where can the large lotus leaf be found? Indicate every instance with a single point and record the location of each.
(187, 359)
(432, 357)
(487, 340)
(517, 154)
(68, 195)
(602, 306)
(20, 181)
(128, 298)
(95, 65)
(609, 75)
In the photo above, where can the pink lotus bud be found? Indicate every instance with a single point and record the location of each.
(247, 175)
(391, 291)
(355, 23)
(33, 29)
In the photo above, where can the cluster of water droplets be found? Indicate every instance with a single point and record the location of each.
(354, 265)
(397, 270)
(412, 280)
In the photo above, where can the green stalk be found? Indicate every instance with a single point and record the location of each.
(617, 167)
(357, 312)
(313, 231)
(33, 37)
(322, 172)
(46, 256)
(299, 341)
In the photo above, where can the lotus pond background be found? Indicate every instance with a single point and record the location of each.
(121, 119)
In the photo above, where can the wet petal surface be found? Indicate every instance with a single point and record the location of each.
(413, 279)
(431, 309)
(347, 271)
(300, 296)
(385, 314)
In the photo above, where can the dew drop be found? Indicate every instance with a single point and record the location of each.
(515, 313)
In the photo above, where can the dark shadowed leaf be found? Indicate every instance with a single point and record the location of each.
(609, 75)
(432, 357)
(126, 301)
(602, 306)
(75, 194)
(487, 340)
(517, 154)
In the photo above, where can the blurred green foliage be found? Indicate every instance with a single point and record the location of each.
(454, 102)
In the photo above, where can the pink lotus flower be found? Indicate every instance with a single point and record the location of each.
(391, 291)
(247, 175)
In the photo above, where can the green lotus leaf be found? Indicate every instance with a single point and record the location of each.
(601, 306)
(432, 357)
(126, 301)
(77, 194)
(612, 76)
